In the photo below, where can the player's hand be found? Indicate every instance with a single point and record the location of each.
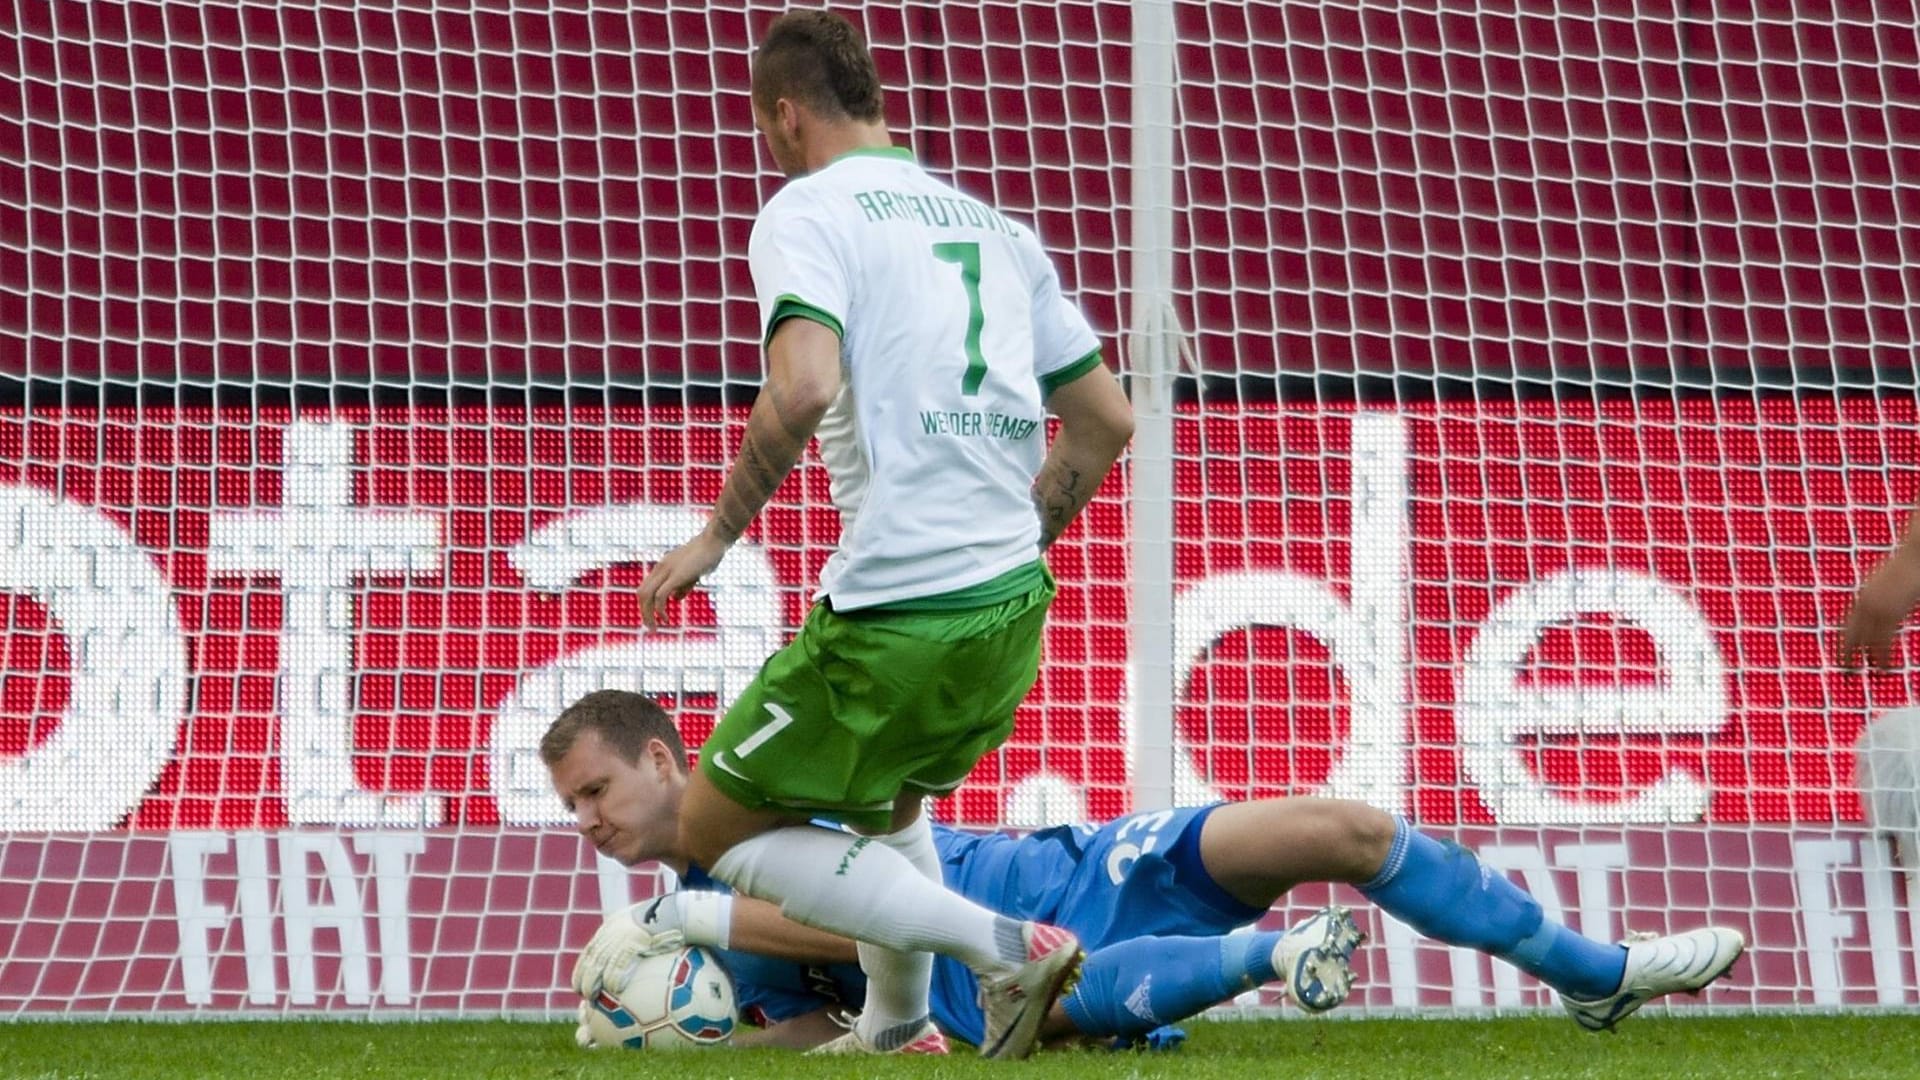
(614, 951)
(1882, 603)
(674, 576)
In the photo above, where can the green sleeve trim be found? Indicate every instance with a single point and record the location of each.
(1019, 581)
(789, 306)
(1054, 380)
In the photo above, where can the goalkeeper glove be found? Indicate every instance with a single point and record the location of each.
(583, 1035)
(702, 916)
(649, 928)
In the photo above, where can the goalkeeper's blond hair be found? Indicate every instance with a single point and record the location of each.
(624, 720)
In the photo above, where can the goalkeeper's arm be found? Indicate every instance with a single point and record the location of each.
(803, 1032)
(748, 925)
(699, 917)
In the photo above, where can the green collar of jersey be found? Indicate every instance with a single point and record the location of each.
(898, 153)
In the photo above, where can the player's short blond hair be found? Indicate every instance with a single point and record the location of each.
(624, 720)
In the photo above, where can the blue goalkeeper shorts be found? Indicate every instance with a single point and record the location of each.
(1140, 876)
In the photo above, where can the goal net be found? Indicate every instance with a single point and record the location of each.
(1546, 382)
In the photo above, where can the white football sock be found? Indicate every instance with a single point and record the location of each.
(859, 888)
(898, 983)
(916, 843)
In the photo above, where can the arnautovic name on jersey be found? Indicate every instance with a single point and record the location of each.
(937, 211)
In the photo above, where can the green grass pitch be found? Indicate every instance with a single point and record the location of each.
(1527, 1048)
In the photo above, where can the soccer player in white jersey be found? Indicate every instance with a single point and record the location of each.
(923, 337)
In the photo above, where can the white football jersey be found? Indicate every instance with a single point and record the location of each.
(952, 327)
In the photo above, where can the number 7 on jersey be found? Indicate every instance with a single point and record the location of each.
(966, 255)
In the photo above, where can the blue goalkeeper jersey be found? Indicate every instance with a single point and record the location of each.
(1105, 883)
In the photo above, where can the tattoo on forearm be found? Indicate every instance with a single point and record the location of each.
(797, 434)
(766, 457)
(1058, 498)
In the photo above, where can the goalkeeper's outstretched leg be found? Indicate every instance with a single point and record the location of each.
(1257, 851)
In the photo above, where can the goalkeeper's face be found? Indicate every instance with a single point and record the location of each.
(629, 811)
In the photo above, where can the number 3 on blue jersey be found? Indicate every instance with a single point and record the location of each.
(1146, 828)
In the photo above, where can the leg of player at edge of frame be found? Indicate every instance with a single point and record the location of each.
(877, 893)
(1257, 851)
(1131, 993)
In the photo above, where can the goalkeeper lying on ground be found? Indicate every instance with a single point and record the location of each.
(1151, 896)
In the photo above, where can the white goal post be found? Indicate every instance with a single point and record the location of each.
(1523, 388)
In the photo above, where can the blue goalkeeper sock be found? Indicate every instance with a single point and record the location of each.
(1133, 987)
(1441, 890)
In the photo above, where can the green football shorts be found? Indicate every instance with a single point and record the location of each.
(862, 706)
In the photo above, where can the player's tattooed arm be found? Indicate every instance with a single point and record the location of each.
(767, 455)
(1058, 494)
(1095, 423)
(802, 381)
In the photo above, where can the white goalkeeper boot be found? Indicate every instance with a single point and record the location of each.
(927, 1040)
(1315, 958)
(1015, 1004)
(1657, 966)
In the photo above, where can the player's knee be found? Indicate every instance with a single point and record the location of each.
(1363, 835)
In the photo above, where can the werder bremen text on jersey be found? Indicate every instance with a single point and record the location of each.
(994, 425)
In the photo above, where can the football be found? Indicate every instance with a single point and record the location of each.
(679, 1000)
